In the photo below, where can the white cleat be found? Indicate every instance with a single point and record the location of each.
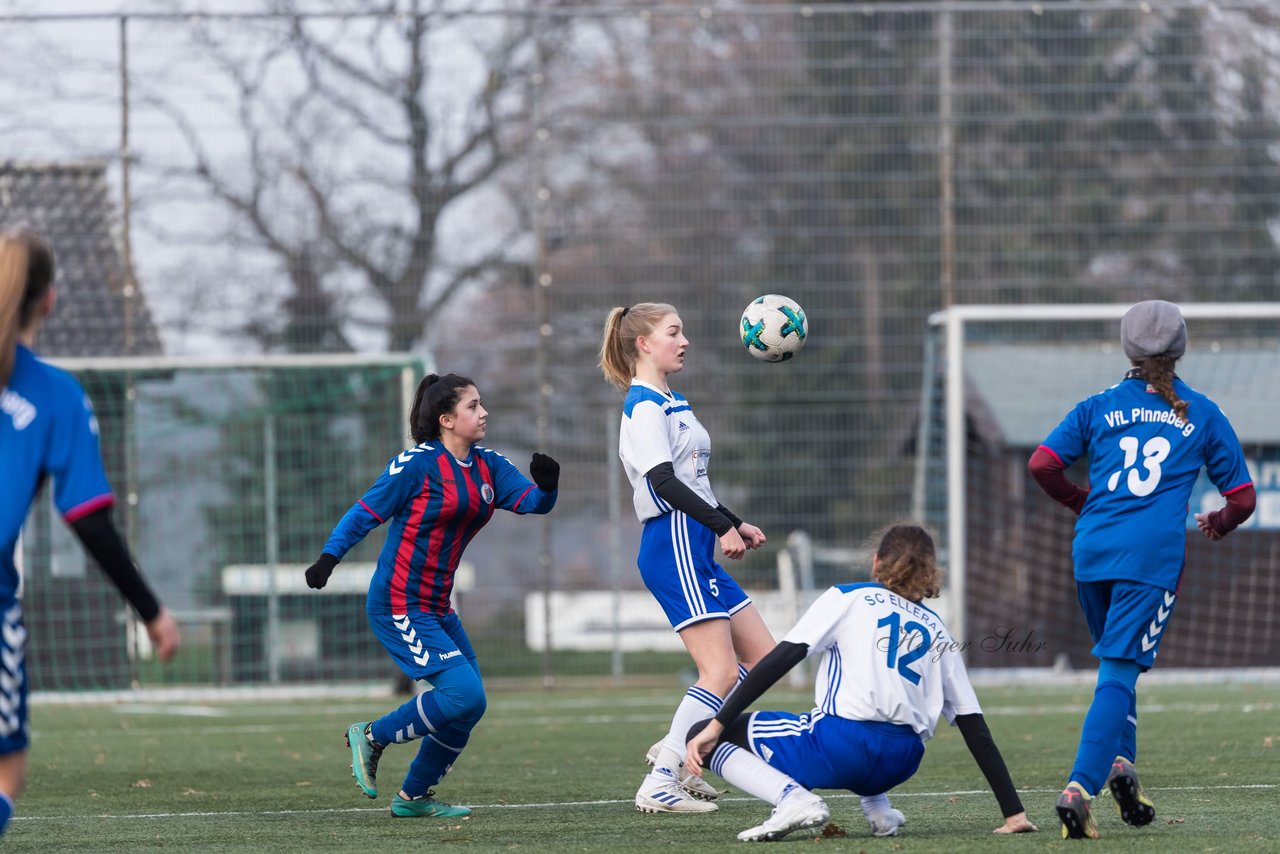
(886, 823)
(661, 793)
(800, 811)
(693, 785)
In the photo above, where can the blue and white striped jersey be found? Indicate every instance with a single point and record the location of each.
(660, 427)
(47, 427)
(884, 658)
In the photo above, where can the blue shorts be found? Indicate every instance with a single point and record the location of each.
(15, 730)
(423, 644)
(826, 752)
(677, 563)
(1127, 619)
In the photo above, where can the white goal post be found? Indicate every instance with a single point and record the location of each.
(955, 324)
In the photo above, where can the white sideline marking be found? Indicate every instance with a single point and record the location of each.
(611, 802)
(176, 711)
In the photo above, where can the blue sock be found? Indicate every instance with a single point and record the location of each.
(1129, 733)
(414, 719)
(6, 812)
(436, 756)
(1105, 723)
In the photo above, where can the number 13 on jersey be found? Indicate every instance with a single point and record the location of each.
(1154, 452)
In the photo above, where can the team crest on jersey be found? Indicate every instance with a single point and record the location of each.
(486, 492)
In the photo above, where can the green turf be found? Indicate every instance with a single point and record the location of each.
(556, 771)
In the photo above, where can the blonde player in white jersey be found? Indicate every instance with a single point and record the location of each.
(889, 669)
(666, 453)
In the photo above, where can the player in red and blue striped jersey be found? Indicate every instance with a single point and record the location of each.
(1147, 437)
(435, 497)
(48, 429)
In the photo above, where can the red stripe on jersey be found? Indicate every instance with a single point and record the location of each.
(448, 508)
(516, 506)
(404, 554)
(86, 507)
(381, 521)
(1054, 453)
(440, 604)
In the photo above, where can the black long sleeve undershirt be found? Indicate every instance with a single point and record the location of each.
(100, 538)
(977, 737)
(769, 670)
(671, 490)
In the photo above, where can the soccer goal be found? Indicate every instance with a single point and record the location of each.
(997, 380)
(228, 476)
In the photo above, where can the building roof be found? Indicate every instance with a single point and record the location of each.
(1026, 389)
(70, 204)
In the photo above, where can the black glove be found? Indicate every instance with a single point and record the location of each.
(318, 573)
(545, 472)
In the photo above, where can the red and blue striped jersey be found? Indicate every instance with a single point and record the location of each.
(47, 427)
(433, 505)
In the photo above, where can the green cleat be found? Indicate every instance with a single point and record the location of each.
(1135, 808)
(364, 758)
(425, 807)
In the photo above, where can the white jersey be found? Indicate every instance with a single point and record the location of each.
(885, 658)
(660, 427)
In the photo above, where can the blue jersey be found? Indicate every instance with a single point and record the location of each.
(47, 427)
(435, 504)
(1143, 463)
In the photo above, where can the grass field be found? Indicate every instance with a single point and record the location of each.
(556, 771)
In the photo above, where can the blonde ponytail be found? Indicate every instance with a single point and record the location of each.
(26, 272)
(13, 286)
(621, 329)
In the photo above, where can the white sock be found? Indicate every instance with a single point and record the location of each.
(749, 773)
(875, 804)
(698, 704)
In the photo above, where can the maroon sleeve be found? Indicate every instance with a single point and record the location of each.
(1050, 473)
(1240, 504)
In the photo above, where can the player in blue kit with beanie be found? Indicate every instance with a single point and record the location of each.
(1147, 437)
(48, 430)
(434, 497)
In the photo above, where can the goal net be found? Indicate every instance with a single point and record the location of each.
(228, 477)
(998, 379)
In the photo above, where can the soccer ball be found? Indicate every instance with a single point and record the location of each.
(774, 328)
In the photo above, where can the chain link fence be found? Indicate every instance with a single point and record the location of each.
(475, 188)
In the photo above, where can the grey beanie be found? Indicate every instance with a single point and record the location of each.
(1153, 328)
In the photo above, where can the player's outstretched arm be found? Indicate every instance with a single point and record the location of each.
(978, 738)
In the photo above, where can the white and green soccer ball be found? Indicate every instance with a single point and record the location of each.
(774, 328)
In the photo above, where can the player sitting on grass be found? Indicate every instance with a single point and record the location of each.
(889, 668)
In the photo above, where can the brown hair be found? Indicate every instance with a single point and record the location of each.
(436, 396)
(907, 563)
(1158, 372)
(26, 272)
(621, 329)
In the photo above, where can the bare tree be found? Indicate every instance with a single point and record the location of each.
(359, 131)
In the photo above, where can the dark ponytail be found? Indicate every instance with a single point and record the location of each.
(436, 396)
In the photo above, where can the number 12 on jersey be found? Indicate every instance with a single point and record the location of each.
(900, 636)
